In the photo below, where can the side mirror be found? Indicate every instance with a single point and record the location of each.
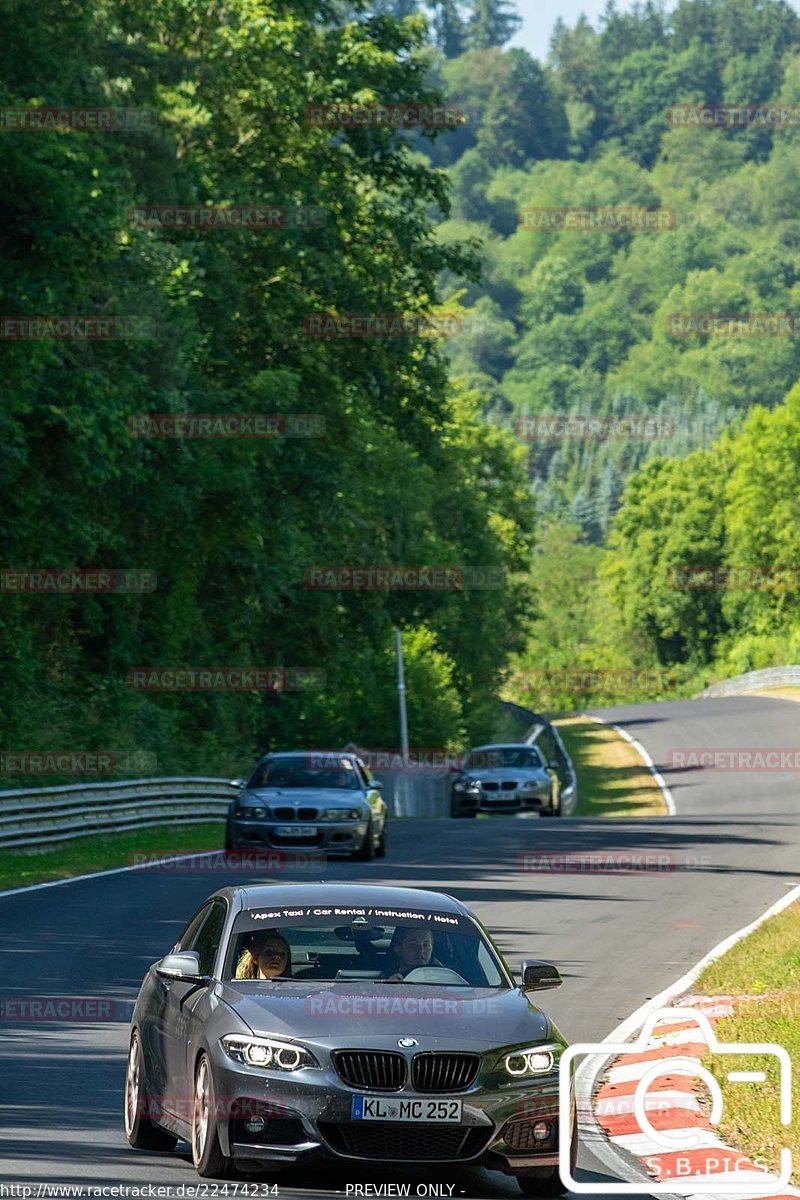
(238, 783)
(185, 966)
(539, 976)
(376, 783)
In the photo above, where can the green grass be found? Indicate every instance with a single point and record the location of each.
(84, 855)
(765, 965)
(613, 781)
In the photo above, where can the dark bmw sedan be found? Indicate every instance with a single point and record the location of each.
(506, 778)
(309, 1024)
(310, 800)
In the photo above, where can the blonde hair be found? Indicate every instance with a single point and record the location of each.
(247, 965)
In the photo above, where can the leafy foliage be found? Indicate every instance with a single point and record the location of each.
(406, 472)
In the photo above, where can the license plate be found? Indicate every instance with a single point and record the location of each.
(297, 831)
(374, 1108)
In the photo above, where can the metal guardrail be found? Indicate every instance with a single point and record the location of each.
(45, 816)
(769, 677)
(31, 817)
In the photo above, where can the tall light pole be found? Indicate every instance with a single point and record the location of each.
(401, 696)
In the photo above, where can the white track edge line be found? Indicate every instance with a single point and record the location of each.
(666, 794)
(601, 1147)
(37, 887)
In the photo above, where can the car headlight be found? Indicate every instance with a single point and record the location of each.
(341, 814)
(472, 787)
(267, 1052)
(530, 1061)
(251, 814)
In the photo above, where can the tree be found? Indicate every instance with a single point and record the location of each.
(524, 119)
(397, 470)
(492, 23)
(449, 28)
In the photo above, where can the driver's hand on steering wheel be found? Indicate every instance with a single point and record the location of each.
(396, 978)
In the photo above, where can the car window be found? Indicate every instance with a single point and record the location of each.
(311, 770)
(363, 772)
(518, 757)
(188, 939)
(323, 949)
(208, 937)
(485, 963)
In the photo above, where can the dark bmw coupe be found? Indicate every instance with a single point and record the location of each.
(294, 1023)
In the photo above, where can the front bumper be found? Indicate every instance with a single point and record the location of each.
(502, 802)
(334, 837)
(278, 1120)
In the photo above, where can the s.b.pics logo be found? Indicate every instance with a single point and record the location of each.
(663, 1123)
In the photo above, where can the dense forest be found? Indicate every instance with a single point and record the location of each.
(401, 468)
(420, 449)
(585, 328)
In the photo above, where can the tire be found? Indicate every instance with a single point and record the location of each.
(380, 851)
(366, 851)
(548, 1183)
(140, 1130)
(207, 1156)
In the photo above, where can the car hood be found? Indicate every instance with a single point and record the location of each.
(357, 1014)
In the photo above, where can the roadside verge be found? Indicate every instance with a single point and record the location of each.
(616, 777)
(746, 990)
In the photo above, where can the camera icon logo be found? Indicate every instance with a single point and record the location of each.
(666, 1141)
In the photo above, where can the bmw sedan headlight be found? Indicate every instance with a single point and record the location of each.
(469, 786)
(252, 812)
(267, 1052)
(341, 814)
(530, 1061)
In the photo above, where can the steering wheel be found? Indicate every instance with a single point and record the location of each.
(434, 975)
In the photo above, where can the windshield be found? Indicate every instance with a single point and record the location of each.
(378, 945)
(309, 771)
(503, 756)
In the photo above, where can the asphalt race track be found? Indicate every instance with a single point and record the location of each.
(618, 938)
